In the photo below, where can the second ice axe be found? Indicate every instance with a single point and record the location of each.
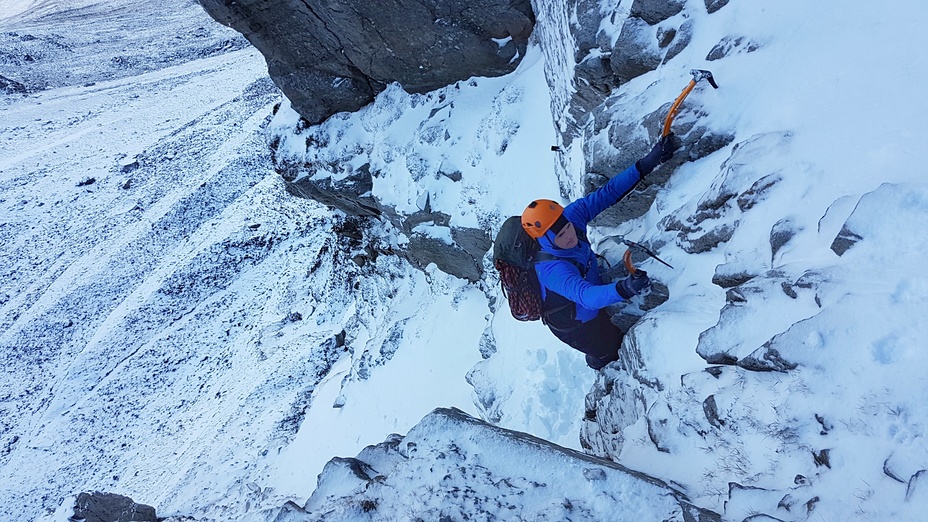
(698, 74)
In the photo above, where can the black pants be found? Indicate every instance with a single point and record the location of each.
(598, 338)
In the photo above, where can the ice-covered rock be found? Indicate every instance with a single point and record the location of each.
(328, 58)
(452, 466)
(98, 506)
(654, 12)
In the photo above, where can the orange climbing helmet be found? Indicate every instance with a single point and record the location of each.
(540, 215)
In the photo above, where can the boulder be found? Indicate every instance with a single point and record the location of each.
(781, 233)
(636, 51)
(109, 507)
(888, 203)
(10, 86)
(731, 45)
(714, 5)
(330, 57)
(654, 11)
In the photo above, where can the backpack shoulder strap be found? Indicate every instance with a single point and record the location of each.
(541, 256)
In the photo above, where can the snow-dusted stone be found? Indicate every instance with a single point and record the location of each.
(782, 231)
(766, 359)
(681, 39)
(845, 239)
(714, 5)
(711, 409)
(614, 403)
(349, 193)
(754, 195)
(456, 251)
(333, 57)
(731, 275)
(716, 216)
(618, 399)
(760, 295)
(917, 490)
(656, 11)
(628, 142)
(595, 72)
(9, 86)
(128, 164)
(904, 202)
(636, 51)
(731, 45)
(459, 257)
(452, 466)
(640, 46)
(110, 507)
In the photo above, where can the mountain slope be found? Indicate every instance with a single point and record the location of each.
(176, 328)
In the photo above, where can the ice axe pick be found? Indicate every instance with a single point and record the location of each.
(627, 258)
(698, 74)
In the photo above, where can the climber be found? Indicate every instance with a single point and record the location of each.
(573, 292)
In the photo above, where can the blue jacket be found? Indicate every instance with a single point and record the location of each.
(563, 276)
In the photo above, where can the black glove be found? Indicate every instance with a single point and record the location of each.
(633, 284)
(663, 150)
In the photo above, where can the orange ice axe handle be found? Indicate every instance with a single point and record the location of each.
(627, 258)
(698, 74)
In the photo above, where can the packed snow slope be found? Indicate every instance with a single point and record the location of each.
(177, 329)
(167, 309)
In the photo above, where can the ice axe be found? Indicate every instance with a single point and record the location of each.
(698, 74)
(627, 258)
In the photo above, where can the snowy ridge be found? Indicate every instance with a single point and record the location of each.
(467, 466)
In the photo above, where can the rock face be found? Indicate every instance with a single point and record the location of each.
(595, 113)
(109, 507)
(452, 466)
(460, 257)
(329, 57)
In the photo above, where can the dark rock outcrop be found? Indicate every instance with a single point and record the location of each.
(331, 57)
(109, 507)
(714, 5)
(844, 241)
(638, 49)
(656, 12)
(461, 256)
(8, 86)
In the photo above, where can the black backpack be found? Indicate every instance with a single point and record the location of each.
(514, 256)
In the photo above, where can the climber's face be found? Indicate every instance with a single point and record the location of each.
(566, 237)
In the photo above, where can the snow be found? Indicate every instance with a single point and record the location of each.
(462, 466)
(417, 143)
(148, 340)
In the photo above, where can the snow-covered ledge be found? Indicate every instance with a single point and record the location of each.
(452, 466)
